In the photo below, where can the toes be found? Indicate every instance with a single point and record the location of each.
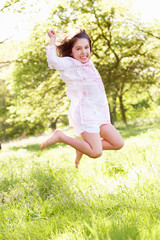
(42, 146)
(77, 163)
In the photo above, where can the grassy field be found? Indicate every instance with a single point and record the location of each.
(43, 196)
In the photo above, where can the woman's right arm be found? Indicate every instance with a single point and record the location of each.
(52, 36)
(55, 62)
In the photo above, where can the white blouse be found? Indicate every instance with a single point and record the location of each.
(84, 88)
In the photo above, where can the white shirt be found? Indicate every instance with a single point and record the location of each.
(85, 88)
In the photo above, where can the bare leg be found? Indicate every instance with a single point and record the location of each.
(111, 138)
(54, 138)
(90, 144)
(78, 158)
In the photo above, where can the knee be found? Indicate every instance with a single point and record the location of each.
(120, 144)
(96, 154)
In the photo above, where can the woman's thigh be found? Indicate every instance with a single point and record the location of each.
(94, 140)
(109, 133)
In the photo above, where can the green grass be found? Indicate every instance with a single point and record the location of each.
(117, 196)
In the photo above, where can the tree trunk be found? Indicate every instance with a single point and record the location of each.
(113, 111)
(54, 123)
(123, 111)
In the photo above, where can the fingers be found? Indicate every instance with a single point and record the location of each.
(52, 34)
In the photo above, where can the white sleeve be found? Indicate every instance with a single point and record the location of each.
(58, 63)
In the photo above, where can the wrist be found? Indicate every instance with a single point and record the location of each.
(52, 41)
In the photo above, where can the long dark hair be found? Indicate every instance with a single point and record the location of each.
(65, 47)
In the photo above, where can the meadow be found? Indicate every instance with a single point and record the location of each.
(115, 197)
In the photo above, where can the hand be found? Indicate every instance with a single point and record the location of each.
(52, 34)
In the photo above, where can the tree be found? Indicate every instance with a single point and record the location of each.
(7, 59)
(121, 47)
(8, 4)
(8, 53)
(35, 100)
(122, 53)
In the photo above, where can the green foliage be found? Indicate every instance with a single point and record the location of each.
(7, 4)
(43, 196)
(34, 86)
(4, 103)
(8, 54)
(124, 51)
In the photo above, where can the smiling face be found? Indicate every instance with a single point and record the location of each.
(81, 50)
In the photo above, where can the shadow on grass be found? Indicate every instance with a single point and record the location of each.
(132, 129)
(137, 127)
(131, 231)
(36, 147)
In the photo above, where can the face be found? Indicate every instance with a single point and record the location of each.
(81, 50)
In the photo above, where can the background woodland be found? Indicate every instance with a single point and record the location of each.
(124, 50)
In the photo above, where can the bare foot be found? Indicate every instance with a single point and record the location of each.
(55, 137)
(78, 158)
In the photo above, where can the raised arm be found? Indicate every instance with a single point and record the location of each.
(55, 62)
(52, 36)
